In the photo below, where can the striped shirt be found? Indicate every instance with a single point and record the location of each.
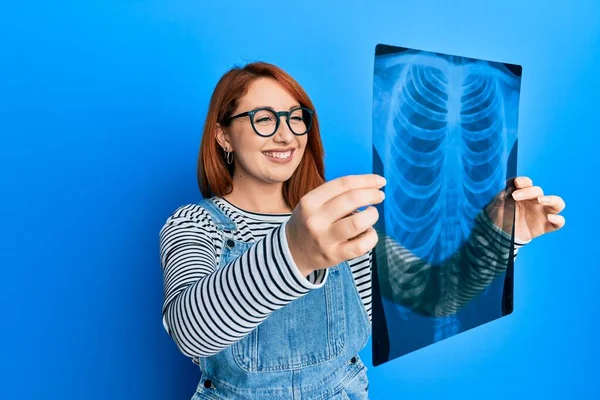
(206, 308)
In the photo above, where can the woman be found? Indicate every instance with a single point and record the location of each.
(267, 279)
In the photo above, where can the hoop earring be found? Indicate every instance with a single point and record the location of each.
(229, 160)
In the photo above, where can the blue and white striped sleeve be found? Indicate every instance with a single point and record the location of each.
(205, 308)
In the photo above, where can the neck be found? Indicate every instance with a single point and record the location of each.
(257, 196)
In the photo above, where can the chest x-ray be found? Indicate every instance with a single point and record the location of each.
(445, 138)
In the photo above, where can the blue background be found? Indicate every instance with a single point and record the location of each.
(101, 110)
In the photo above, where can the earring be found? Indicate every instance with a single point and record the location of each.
(227, 154)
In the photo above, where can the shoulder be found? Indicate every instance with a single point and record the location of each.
(188, 228)
(193, 215)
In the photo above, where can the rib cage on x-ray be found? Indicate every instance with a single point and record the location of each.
(446, 137)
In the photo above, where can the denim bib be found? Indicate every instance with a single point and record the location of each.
(307, 349)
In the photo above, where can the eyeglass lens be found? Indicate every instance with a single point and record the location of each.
(265, 121)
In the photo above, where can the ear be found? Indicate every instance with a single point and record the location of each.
(223, 138)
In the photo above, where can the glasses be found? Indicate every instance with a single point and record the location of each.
(265, 121)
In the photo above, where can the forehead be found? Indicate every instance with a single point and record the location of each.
(267, 92)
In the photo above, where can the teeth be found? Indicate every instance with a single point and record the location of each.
(278, 155)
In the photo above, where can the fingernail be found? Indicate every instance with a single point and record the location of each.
(517, 195)
(381, 180)
(544, 199)
(553, 218)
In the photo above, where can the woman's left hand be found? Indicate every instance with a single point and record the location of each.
(536, 213)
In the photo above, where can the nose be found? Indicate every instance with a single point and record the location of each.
(283, 133)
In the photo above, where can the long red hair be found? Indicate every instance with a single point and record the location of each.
(215, 175)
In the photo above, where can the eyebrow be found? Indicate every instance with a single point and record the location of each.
(294, 106)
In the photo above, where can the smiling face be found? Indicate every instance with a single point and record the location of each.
(263, 159)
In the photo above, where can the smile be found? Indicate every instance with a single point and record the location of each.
(279, 157)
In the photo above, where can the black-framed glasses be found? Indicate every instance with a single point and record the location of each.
(265, 121)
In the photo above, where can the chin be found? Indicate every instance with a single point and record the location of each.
(280, 176)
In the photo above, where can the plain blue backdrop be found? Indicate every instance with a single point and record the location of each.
(101, 111)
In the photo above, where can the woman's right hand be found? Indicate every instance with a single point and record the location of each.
(325, 228)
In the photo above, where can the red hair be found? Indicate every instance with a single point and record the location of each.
(215, 175)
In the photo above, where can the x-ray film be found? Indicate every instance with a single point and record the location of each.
(445, 139)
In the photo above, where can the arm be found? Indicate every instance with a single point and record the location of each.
(207, 309)
(361, 272)
(441, 290)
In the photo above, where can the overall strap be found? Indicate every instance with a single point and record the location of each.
(222, 221)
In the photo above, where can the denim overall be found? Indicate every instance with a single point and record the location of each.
(307, 349)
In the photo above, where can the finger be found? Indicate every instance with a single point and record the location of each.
(523, 182)
(360, 245)
(554, 204)
(354, 225)
(348, 202)
(329, 190)
(557, 221)
(528, 193)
